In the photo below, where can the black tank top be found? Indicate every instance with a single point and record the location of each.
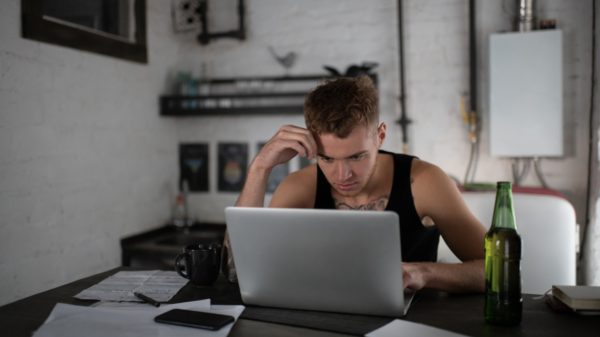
(419, 243)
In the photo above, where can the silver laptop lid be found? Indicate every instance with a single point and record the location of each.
(328, 260)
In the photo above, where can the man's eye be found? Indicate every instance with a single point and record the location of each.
(326, 159)
(357, 157)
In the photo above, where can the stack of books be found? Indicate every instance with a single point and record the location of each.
(578, 298)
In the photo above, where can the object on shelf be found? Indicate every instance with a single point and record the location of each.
(286, 61)
(354, 70)
(242, 95)
(206, 36)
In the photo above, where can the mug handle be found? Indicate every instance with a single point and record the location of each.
(216, 253)
(178, 267)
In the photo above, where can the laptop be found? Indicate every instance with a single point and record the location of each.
(325, 260)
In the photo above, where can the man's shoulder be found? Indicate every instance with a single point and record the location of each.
(425, 175)
(308, 173)
(431, 187)
(423, 167)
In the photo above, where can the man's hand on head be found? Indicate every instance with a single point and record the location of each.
(288, 142)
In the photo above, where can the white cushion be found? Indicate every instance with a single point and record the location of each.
(547, 226)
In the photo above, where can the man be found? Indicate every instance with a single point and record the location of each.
(344, 134)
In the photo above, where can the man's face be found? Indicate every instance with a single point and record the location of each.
(349, 162)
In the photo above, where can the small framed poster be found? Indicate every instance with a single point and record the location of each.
(193, 167)
(233, 162)
(304, 162)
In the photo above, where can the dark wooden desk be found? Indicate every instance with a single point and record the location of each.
(457, 313)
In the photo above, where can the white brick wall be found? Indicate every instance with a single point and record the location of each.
(436, 74)
(85, 158)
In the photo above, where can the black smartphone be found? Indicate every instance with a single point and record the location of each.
(195, 319)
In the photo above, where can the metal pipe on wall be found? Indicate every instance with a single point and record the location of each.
(525, 21)
(591, 197)
(403, 121)
(472, 58)
(471, 116)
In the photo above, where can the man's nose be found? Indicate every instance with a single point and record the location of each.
(343, 170)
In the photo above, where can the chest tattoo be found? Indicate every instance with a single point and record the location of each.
(378, 204)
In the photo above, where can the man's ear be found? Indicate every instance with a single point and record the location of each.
(381, 129)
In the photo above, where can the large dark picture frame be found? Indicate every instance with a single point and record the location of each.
(37, 26)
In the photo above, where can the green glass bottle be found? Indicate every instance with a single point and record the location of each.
(503, 299)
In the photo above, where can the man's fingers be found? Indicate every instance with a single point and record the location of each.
(296, 146)
(300, 135)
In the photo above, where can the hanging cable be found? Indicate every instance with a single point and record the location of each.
(475, 161)
(469, 165)
(538, 172)
(520, 169)
(515, 171)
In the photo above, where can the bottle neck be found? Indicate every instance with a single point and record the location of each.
(504, 215)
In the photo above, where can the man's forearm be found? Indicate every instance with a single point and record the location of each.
(455, 278)
(253, 193)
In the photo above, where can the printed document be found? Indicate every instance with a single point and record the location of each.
(399, 327)
(129, 320)
(157, 284)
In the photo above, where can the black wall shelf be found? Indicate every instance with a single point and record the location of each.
(232, 104)
(243, 95)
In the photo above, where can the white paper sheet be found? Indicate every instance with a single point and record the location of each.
(404, 328)
(157, 284)
(67, 320)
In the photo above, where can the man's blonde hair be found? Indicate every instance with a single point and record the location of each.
(338, 106)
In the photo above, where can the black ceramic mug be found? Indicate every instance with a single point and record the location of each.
(201, 263)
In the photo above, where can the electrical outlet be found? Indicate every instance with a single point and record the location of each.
(185, 16)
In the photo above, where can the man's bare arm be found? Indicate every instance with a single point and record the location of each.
(253, 193)
(462, 277)
(288, 142)
(437, 197)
